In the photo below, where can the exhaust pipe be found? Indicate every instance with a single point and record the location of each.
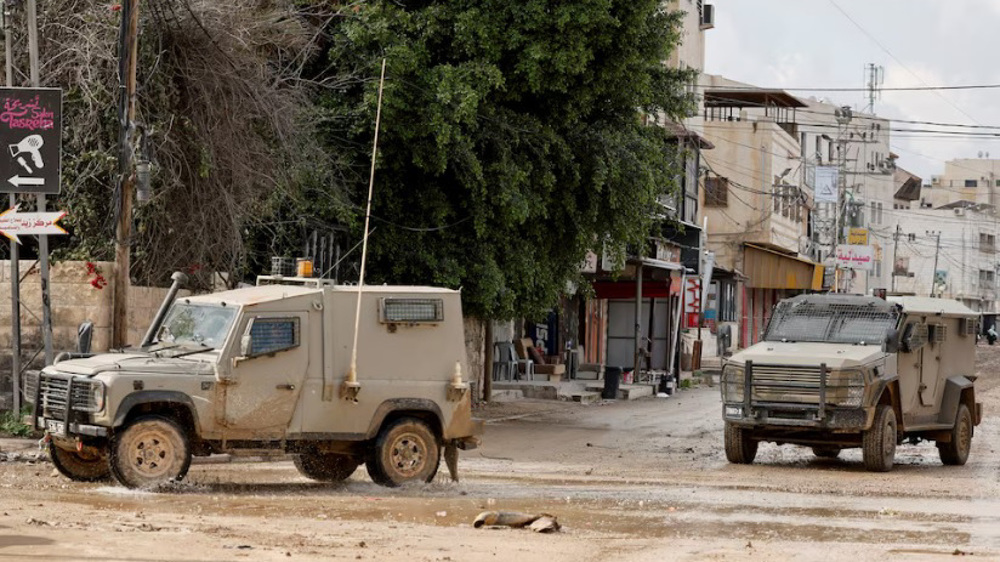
(179, 279)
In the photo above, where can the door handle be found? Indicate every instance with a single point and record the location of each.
(285, 387)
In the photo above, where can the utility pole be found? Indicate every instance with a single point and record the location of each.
(843, 116)
(937, 250)
(31, 15)
(15, 250)
(128, 53)
(895, 248)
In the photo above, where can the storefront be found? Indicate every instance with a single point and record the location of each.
(772, 275)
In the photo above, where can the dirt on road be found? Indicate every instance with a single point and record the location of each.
(629, 481)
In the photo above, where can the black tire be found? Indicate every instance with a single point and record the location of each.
(326, 467)
(740, 449)
(826, 452)
(406, 450)
(878, 450)
(956, 451)
(79, 467)
(150, 451)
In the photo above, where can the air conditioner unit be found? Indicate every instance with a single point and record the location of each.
(707, 17)
(959, 212)
(935, 181)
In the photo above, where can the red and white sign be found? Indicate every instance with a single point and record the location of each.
(13, 223)
(851, 256)
(692, 298)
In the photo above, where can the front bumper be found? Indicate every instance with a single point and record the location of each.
(803, 416)
(60, 428)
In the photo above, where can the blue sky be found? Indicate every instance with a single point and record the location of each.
(810, 43)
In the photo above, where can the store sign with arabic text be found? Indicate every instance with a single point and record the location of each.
(854, 256)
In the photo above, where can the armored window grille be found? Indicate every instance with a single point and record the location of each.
(830, 322)
(409, 311)
(968, 327)
(936, 333)
(271, 335)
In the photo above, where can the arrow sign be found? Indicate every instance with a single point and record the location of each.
(18, 181)
(13, 223)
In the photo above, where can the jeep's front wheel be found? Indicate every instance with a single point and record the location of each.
(326, 467)
(79, 466)
(740, 449)
(150, 451)
(406, 450)
(879, 443)
(956, 451)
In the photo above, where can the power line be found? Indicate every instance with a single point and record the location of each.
(895, 58)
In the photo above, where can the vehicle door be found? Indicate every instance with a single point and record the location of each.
(930, 363)
(268, 367)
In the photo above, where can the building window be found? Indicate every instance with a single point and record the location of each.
(911, 237)
(986, 278)
(717, 192)
(971, 183)
(998, 183)
(879, 221)
(987, 242)
(874, 215)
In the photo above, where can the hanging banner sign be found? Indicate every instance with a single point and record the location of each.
(825, 186)
(853, 256)
(30, 140)
(857, 236)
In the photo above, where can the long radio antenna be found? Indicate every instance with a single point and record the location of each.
(351, 387)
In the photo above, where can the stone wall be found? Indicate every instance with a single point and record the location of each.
(77, 295)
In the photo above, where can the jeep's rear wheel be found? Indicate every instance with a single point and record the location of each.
(150, 451)
(79, 466)
(879, 443)
(740, 449)
(956, 451)
(406, 450)
(326, 467)
(826, 452)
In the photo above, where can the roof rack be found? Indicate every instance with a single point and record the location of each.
(301, 281)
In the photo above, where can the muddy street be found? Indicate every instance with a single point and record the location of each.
(629, 481)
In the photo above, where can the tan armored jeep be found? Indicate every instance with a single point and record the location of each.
(840, 371)
(260, 370)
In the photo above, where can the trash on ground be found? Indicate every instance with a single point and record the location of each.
(540, 523)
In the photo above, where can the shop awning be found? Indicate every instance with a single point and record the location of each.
(770, 269)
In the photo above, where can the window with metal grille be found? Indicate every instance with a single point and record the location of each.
(830, 322)
(271, 335)
(717, 192)
(402, 310)
(936, 333)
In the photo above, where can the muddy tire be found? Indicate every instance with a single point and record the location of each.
(956, 452)
(150, 451)
(826, 452)
(740, 449)
(326, 467)
(405, 451)
(79, 467)
(878, 444)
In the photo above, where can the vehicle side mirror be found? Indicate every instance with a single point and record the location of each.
(891, 342)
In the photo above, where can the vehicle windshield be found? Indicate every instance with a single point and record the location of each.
(795, 321)
(204, 325)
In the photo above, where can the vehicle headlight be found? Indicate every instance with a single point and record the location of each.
(732, 383)
(88, 395)
(851, 389)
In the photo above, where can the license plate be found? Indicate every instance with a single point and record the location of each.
(734, 411)
(54, 426)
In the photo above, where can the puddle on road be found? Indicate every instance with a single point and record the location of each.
(7, 541)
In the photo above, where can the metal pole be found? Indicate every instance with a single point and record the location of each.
(637, 336)
(31, 13)
(937, 250)
(123, 229)
(15, 250)
(895, 248)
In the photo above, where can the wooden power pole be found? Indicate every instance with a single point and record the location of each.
(128, 53)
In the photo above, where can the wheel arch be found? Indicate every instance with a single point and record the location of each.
(889, 396)
(958, 390)
(396, 408)
(171, 404)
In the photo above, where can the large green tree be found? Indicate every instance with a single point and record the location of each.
(512, 140)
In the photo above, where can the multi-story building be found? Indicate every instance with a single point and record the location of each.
(948, 252)
(964, 179)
